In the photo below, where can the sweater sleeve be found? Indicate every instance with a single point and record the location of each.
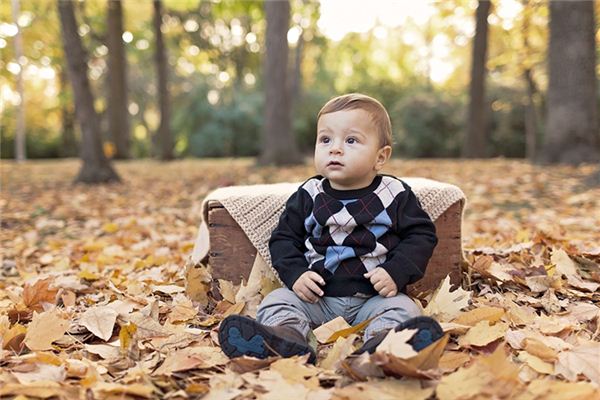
(407, 261)
(287, 240)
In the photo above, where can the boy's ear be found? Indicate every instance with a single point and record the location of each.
(383, 155)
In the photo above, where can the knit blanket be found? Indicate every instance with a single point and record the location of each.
(256, 208)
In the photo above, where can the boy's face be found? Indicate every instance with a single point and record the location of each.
(348, 151)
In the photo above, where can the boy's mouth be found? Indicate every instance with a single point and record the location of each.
(334, 163)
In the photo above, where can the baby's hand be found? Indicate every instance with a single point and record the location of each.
(382, 282)
(307, 286)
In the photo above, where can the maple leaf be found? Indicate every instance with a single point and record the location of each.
(34, 296)
(446, 305)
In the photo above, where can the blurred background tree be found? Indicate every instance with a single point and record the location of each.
(416, 57)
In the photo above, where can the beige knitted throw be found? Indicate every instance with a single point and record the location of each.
(257, 208)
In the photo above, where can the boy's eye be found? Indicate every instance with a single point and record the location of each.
(324, 139)
(351, 140)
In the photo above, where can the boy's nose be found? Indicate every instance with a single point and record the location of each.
(335, 148)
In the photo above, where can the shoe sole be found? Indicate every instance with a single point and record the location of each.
(421, 323)
(242, 336)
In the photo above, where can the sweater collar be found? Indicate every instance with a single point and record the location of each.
(350, 194)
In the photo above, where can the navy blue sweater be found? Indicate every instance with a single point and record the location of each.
(343, 234)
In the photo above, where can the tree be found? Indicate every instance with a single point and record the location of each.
(164, 136)
(279, 146)
(96, 168)
(571, 133)
(475, 141)
(20, 151)
(118, 115)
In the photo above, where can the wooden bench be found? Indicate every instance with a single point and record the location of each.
(231, 254)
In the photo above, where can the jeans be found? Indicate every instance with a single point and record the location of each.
(283, 307)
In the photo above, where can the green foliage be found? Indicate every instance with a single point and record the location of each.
(427, 124)
(229, 128)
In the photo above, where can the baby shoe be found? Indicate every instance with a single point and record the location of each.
(243, 336)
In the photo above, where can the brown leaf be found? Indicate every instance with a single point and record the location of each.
(34, 296)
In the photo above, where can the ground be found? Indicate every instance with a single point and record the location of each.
(93, 299)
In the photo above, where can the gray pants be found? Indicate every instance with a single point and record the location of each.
(283, 307)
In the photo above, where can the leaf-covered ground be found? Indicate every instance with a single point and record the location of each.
(93, 301)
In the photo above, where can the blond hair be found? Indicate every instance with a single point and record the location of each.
(376, 110)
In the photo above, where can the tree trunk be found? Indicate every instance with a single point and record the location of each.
(96, 167)
(571, 133)
(530, 109)
(296, 81)
(475, 141)
(68, 146)
(118, 115)
(20, 151)
(279, 146)
(164, 137)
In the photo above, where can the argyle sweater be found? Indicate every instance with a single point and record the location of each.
(342, 234)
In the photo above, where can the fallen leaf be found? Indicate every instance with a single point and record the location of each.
(583, 359)
(341, 349)
(227, 290)
(103, 350)
(564, 265)
(539, 349)
(471, 318)
(182, 309)
(100, 321)
(34, 296)
(492, 376)
(191, 358)
(423, 365)
(44, 329)
(396, 343)
(482, 334)
(348, 331)
(43, 372)
(385, 390)
(326, 331)
(42, 390)
(536, 363)
(452, 360)
(446, 305)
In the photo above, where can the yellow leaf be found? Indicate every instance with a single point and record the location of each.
(227, 290)
(234, 309)
(491, 314)
(126, 335)
(44, 329)
(348, 331)
(14, 331)
(446, 304)
(110, 227)
(88, 275)
(324, 332)
(482, 334)
(452, 360)
(341, 349)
